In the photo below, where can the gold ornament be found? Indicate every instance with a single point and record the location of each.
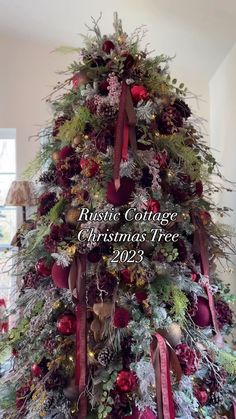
(72, 215)
(172, 334)
(76, 140)
(56, 156)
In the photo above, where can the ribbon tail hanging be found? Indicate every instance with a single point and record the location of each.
(125, 132)
(160, 359)
(81, 336)
(119, 136)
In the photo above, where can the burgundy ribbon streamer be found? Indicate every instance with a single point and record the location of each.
(201, 240)
(125, 131)
(161, 364)
(77, 278)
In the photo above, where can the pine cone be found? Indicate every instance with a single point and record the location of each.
(105, 356)
(216, 398)
(47, 177)
(170, 120)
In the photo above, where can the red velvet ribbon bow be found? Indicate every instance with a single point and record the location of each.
(163, 356)
(201, 243)
(77, 277)
(125, 131)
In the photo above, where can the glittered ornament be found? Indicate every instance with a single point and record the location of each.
(202, 317)
(126, 381)
(108, 46)
(89, 167)
(66, 324)
(60, 275)
(72, 215)
(43, 268)
(36, 370)
(139, 93)
(123, 195)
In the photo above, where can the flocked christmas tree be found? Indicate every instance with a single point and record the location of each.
(121, 311)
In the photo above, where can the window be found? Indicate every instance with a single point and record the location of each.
(7, 214)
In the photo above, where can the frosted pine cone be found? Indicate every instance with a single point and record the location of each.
(105, 356)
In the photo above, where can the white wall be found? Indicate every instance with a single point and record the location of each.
(223, 134)
(27, 74)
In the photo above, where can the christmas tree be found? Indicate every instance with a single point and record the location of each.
(121, 311)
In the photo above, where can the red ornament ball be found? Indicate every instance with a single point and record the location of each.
(36, 370)
(126, 381)
(66, 324)
(139, 93)
(43, 268)
(60, 275)
(153, 205)
(121, 317)
(122, 196)
(202, 317)
(108, 46)
(89, 167)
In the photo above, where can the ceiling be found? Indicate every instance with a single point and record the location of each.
(199, 32)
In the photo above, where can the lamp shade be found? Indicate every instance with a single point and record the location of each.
(21, 194)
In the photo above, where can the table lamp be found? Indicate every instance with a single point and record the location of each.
(21, 194)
